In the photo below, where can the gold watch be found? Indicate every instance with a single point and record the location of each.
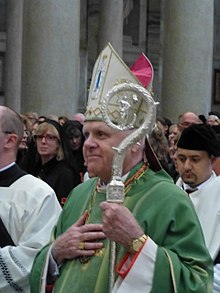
(137, 244)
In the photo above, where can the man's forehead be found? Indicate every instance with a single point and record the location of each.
(190, 117)
(191, 153)
(100, 126)
(97, 125)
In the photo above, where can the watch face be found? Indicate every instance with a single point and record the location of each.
(137, 244)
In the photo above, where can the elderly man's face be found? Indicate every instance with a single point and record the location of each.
(193, 166)
(98, 148)
(188, 119)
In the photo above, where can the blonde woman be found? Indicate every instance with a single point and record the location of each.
(51, 159)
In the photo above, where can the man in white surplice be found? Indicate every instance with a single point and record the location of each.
(197, 149)
(28, 209)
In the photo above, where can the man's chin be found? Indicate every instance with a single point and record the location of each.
(188, 180)
(91, 169)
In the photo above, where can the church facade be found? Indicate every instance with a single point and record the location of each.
(48, 50)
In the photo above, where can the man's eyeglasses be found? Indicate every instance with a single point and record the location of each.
(47, 137)
(186, 124)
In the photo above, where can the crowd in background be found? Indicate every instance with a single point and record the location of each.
(52, 147)
(166, 134)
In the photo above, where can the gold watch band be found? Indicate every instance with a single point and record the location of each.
(137, 243)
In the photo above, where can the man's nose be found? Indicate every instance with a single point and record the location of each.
(89, 142)
(188, 165)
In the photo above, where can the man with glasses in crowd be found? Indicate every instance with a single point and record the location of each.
(186, 119)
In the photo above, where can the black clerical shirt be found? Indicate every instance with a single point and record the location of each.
(10, 175)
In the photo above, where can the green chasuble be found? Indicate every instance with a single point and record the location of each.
(164, 212)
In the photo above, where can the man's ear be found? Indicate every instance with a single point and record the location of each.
(213, 159)
(216, 165)
(11, 140)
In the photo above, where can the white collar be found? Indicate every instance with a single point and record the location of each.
(7, 167)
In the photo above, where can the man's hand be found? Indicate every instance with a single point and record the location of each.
(79, 240)
(119, 224)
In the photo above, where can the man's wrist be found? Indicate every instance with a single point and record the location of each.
(55, 255)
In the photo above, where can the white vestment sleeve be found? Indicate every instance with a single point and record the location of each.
(140, 277)
(29, 219)
(216, 285)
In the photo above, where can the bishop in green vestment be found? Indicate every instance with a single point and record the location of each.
(159, 243)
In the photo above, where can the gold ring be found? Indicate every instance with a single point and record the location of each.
(81, 245)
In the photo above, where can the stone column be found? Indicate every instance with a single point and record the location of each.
(187, 57)
(50, 76)
(13, 56)
(111, 24)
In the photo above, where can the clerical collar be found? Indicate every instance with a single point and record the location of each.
(10, 174)
(7, 167)
(200, 186)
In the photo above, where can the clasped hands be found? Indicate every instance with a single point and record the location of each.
(83, 239)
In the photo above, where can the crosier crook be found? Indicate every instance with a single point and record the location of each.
(115, 189)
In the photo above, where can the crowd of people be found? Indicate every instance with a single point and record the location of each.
(64, 137)
(69, 136)
(60, 233)
(51, 149)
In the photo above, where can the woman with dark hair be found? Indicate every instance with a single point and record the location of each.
(164, 124)
(51, 159)
(74, 134)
